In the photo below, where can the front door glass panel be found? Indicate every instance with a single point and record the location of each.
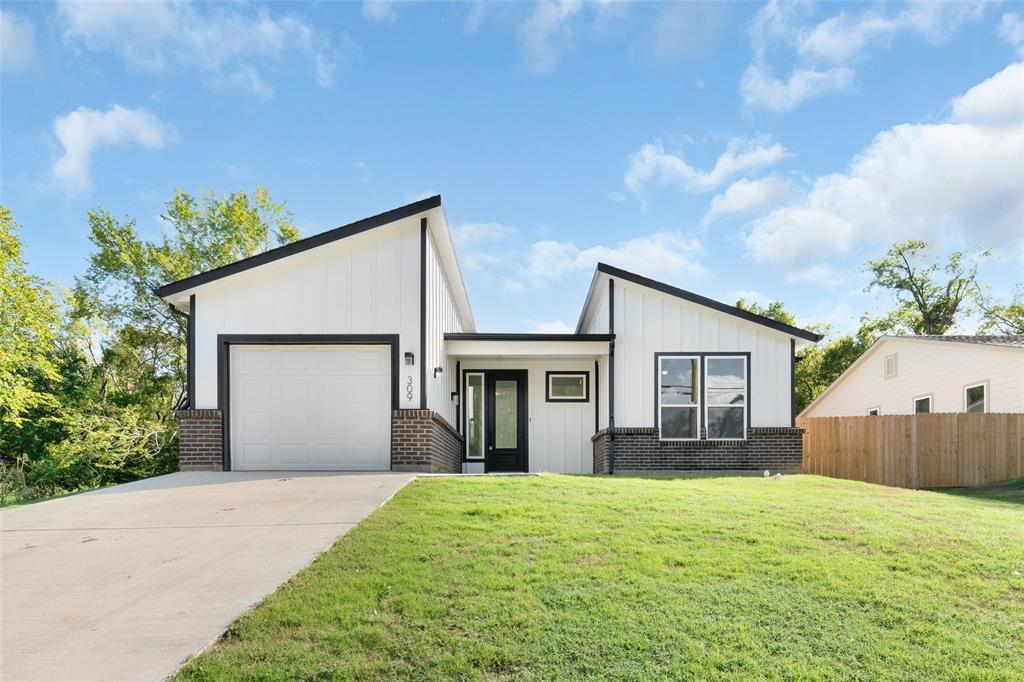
(506, 414)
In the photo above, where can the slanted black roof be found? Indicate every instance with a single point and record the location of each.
(619, 273)
(301, 245)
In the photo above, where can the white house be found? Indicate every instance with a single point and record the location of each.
(355, 349)
(914, 374)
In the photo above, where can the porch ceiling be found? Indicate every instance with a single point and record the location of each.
(518, 345)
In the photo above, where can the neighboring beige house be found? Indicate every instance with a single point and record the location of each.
(908, 374)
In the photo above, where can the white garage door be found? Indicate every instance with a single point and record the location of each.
(310, 407)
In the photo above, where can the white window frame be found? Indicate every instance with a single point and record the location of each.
(585, 398)
(895, 366)
(699, 376)
(931, 403)
(746, 392)
(483, 423)
(877, 411)
(984, 386)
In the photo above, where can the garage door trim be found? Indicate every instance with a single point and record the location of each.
(225, 341)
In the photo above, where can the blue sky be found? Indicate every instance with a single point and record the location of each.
(725, 148)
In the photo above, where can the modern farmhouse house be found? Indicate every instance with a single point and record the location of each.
(920, 374)
(355, 349)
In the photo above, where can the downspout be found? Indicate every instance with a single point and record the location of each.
(792, 382)
(611, 377)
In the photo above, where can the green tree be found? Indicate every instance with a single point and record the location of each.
(1002, 318)
(775, 310)
(930, 296)
(144, 349)
(28, 328)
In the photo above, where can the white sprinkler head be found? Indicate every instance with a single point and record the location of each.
(778, 477)
(767, 473)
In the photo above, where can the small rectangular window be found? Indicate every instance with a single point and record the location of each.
(974, 398)
(725, 391)
(873, 412)
(890, 366)
(474, 416)
(923, 405)
(678, 417)
(568, 387)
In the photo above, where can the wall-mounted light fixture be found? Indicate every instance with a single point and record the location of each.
(455, 397)
(410, 359)
(438, 370)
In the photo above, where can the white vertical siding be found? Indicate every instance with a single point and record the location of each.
(941, 369)
(649, 322)
(559, 433)
(442, 318)
(364, 284)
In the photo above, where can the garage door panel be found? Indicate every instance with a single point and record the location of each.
(310, 407)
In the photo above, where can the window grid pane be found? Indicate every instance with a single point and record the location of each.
(678, 422)
(725, 395)
(976, 399)
(678, 381)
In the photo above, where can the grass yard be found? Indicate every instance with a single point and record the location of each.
(563, 577)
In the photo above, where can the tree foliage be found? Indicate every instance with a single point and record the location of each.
(1002, 318)
(930, 296)
(28, 328)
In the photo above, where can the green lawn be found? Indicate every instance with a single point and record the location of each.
(562, 577)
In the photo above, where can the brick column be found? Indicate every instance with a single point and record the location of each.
(199, 440)
(422, 440)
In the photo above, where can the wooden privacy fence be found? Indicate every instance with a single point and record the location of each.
(916, 451)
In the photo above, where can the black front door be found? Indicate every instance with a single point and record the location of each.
(506, 420)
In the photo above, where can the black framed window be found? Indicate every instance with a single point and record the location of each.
(567, 387)
(725, 397)
(678, 396)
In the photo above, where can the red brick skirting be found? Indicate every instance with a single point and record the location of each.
(422, 440)
(638, 449)
(199, 440)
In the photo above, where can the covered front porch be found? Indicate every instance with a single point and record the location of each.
(530, 402)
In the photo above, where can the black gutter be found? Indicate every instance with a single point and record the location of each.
(301, 245)
(488, 336)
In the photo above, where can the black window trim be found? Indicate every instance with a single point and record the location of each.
(746, 391)
(565, 373)
(466, 373)
(701, 427)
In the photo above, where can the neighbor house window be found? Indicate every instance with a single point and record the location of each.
(725, 397)
(873, 412)
(974, 398)
(923, 405)
(890, 366)
(678, 413)
(568, 387)
(474, 416)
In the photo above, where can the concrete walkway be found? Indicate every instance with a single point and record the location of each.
(126, 583)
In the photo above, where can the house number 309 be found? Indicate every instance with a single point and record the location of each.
(408, 388)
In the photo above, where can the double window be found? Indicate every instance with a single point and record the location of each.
(706, 392)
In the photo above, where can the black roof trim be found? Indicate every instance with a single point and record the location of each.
(301, 245)
(488, 336)
(613, 271)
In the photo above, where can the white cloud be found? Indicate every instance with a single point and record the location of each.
(667, 255)
(546, 31)
(475, 244)
(249, 79)
(84, 131)
(379, 10)
(751, 297)
(836, 42)
(17, 43)
(552, 327)
(162, 34)
(747, 196)
(962, 176)
(761, 90)
(652, 165)
(1011, 29)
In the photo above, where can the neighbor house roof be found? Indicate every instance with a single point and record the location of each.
(619, 273)
(442, 236)
(998, 341)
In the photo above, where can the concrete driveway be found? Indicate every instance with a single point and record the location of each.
(126, 583)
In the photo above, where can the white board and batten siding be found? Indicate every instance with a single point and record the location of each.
(649, 321)
(365, 284)
(940, 369)
(442, 318)
(559, 433)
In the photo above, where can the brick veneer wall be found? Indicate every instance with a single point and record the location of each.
(199, 440)
(638, 449)
(422, 440)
